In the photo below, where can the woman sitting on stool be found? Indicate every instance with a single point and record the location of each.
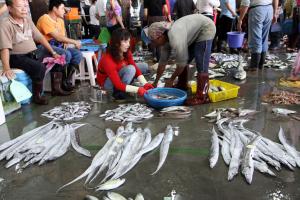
(116, 69)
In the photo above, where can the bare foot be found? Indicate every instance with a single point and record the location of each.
(293, 78)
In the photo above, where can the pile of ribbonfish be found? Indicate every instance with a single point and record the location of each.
(164, 96)
(122, 152)
(290, 57)
(225, 62)
(116, 196)
(246, 150)
(166, 74)
(42, 144)
(221, 57)
(286, 112)
(135, 113)
(176, 112)
(273, 61)
(69, 111)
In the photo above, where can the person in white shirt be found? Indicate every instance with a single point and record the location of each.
(94, 22)
(206, 7)
(101, 12)
(84, 11)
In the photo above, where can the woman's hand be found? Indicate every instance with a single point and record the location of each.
(148, 86)
(141, 91)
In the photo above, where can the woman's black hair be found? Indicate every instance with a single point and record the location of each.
(117, 36)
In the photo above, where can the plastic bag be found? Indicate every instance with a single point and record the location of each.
(104, 36)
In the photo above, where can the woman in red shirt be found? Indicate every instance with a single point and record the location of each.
(117, 69)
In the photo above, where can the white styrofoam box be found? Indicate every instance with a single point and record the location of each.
(4, 136)
(8, 102)
(2, 114)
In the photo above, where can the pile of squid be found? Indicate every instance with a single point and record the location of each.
(42, 144)
(123, 150)
(245, 150)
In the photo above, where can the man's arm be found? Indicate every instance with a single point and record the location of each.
(179, 69)
(64, 39)
(46, 44)
(146, 12)
(275, 7)
(233, 13)
(243, 11)
(160, 70)
(145, 18)
(167, 14)
(6, 67)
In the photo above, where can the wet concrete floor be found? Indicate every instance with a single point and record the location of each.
(186, 169)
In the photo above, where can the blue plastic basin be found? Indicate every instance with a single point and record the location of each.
(162, 103)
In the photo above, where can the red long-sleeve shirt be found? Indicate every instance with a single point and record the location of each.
(108, 67)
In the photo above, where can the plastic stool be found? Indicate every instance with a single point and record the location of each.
(89, 57)
(102, 49)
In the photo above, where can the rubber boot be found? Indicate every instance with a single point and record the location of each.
(201, 95)
(254, 63)
(262, 60)
(56, 81)
(182, 83)
(67, 78)
(37, 88)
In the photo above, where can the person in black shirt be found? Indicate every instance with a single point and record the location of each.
(153, 11)
(183, 8)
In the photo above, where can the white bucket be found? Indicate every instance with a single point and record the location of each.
(2, 115)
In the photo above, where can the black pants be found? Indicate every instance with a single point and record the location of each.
(28, 63)
(94, 31)
(112, 28)
(275, 39)
(226, 24)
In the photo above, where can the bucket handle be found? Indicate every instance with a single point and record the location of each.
(234, 24)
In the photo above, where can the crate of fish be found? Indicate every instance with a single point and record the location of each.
(219, 90)
(165, 97)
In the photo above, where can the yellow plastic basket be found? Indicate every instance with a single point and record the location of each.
(230, 92)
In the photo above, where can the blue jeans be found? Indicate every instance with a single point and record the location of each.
(126, 74)
(73, 56)
(201, 51)
(259, 23)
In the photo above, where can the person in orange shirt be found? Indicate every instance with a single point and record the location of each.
(52, 26)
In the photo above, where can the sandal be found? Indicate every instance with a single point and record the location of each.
(291, 50)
